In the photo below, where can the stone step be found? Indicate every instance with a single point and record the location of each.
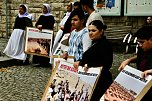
(7, 61)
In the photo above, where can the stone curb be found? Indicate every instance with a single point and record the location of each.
(6, 62)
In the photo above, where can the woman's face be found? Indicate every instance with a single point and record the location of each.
(44, 10)
(69, 8)
(94, 33)
(21, 10)
(149, 20)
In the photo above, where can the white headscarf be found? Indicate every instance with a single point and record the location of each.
(48, 9)
(26, 14)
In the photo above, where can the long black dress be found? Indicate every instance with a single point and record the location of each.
(99, 54)
(47, 22)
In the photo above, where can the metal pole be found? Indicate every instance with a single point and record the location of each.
(6, 18)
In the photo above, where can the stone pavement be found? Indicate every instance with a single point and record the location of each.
(18, 82)
(28, 82)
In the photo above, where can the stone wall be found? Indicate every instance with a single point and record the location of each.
(58, 8)
(135, 21)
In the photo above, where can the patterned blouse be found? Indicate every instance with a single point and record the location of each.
(78, 43)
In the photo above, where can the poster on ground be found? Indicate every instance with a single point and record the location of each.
(38, 42)
(69, 84)
(128, 86)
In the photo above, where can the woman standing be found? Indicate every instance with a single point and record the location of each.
(100, 54)
(45, 21)
(15, 45)
(61, 25)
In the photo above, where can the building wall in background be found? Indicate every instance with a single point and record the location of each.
(58, 9)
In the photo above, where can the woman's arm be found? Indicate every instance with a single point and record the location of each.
(126, 62)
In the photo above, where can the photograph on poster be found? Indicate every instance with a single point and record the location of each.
(63, 45)
(69, 84)
(38, 42)
(110, 3)
(124, 86)
(108, 7)
(137, 7)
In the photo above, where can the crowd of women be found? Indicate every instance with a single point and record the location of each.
(87, 42)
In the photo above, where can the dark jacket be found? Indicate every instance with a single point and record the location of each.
(144, 60)
(99, 54)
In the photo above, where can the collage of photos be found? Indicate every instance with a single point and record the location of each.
(38, 42)
(108, 7)
(63, 45)
(125, 89)
(70, 84)
(105, 3)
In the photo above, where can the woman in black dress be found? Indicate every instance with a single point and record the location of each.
(99, 54)
(45, 21)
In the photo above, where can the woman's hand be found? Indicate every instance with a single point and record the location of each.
(126, 62)
(86, 67)
(76, 64)
(123, 64)
(39, 27)
(64, 55)
(62, 28)
(146, 73)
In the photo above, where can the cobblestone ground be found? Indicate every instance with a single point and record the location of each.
(3, 42)
(23, 83)
(27, 83)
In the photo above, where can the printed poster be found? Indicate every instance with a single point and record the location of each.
(128, 86)
(63, 45)
(137, 7)
(38, 42)
(108, 7)
(69, 84)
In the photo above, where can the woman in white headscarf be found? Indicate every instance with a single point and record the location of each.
(15, 45)
(61, 25)
(45, 21)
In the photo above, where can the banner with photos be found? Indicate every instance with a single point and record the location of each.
(69, 84)
(108, 7)
(38, 42)
(63, 45)
(128, 86)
